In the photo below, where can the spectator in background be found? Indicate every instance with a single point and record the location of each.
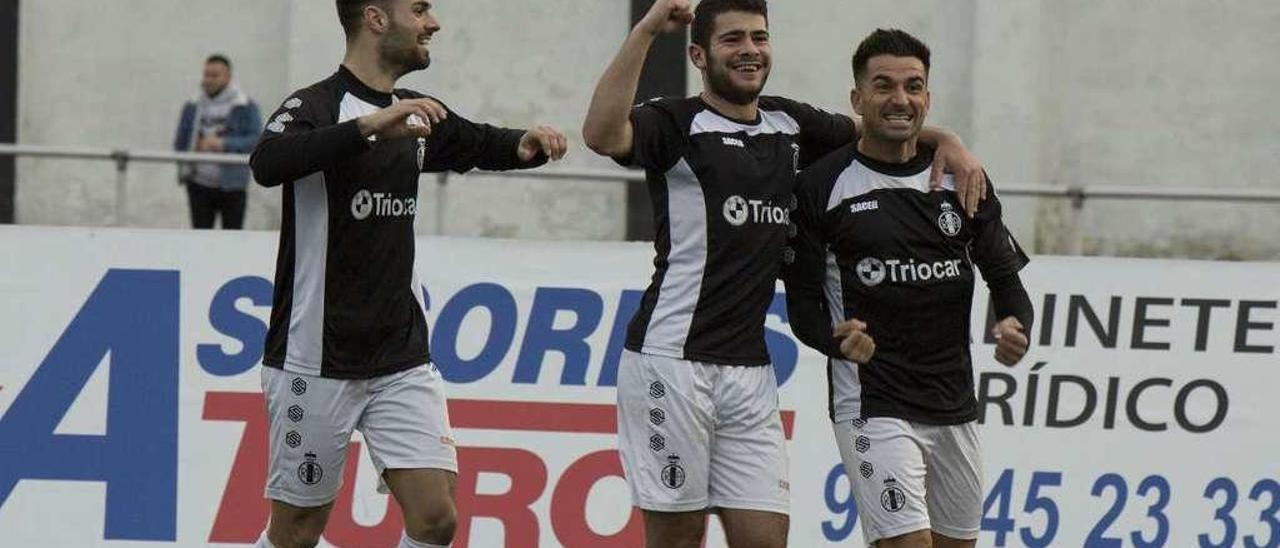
(221, 118)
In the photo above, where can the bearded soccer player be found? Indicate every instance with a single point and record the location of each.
(882, 283)
(347, 345)
(699, 427)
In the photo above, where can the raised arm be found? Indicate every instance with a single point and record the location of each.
(607, 129)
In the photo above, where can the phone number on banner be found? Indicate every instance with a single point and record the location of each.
(1227, 523)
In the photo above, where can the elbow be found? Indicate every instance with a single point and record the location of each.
(602, 141)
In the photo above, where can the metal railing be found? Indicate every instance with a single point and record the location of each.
(1077, 194)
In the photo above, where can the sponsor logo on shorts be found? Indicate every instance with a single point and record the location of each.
(310, 472)
(657, 389)
(293, 438)
(673, 473)
(299, 386)
(866, 470)
(296, 413)
(892, 499)
(859, 423)
(657, 442)
(784, 485)
(862, 444)
(657, 416)
(949, 222)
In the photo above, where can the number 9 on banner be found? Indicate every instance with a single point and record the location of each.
(839, 498)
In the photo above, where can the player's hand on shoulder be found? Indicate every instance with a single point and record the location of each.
(855, 344)
(544, 139)
(667, 16)
(1011, 341)
(406, 118)
(971, 181)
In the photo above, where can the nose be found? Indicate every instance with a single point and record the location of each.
(899, 96)
(432, 23)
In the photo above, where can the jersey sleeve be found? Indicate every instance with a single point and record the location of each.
(301, 138)
(656, 137)
(821, 132)
(994, 249)
(460, 145)
(804, 274)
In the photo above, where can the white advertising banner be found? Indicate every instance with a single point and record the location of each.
(131, 412)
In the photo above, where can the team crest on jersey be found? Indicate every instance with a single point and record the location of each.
(892, 499)
(422, 151)
(949, 221)
(795, 157)
(673, 473)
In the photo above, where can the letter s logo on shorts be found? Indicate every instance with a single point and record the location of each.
(362, 205)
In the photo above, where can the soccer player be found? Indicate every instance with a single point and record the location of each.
(882, 282)
(347, 344)
(699, 427)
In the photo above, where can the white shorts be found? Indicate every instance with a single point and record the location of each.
(909, 476)
(402, 416)
(695, 436)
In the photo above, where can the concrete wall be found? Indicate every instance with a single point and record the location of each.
(1099, 93)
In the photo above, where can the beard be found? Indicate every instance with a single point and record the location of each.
(401, 52)
(720, 81)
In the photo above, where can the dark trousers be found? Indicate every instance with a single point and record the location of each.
(207, 203)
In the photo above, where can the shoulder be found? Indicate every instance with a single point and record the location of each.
(821, 176)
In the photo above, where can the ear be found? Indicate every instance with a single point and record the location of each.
(375, 19)
(855, 100)
(698, 56)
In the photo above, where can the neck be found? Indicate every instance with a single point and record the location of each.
(748, 111)
(890, 152)
(364, 62)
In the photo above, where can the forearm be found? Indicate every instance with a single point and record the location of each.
(607, 129)
(292, 156)
(1009, 298)
(937, 137)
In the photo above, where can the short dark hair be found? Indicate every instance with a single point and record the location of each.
(218, 58)
(704, 16)
(888, 42)
(351, 14)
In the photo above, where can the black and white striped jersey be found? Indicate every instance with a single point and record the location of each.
(874, 243)
(348, 302)
(722, 193)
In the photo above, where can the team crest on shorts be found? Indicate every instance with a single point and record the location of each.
(892, 498)
(949, 221)
(673, 473)
(310, 472)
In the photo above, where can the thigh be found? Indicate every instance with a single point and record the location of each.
(406, 423)
(310, 421)
(754, 528)
(886, 468)
(674, 529)
(955, 480)
(233, 204)
(749, 468)
(664, 432)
